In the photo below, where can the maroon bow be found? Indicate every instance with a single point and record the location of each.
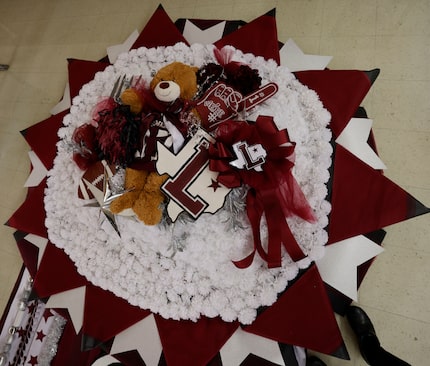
(273, 191)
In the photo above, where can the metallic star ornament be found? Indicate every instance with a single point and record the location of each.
(104, 199)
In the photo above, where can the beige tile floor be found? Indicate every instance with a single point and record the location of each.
(394, 35)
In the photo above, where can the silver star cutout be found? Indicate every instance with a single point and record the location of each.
(104, 199)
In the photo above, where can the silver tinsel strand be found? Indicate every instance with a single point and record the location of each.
(50, 346)
(235, 205)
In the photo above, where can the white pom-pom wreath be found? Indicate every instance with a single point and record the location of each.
(200, 279)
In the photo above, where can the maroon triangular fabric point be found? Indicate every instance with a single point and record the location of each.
(259, 37)
(42, 138)
(106, 315)
(302, 316)
(193, 343)
(364, 200)
(82, 72)
(57, 273)
(29, 254)
(30, 216)
(341, 92)
(159, 31)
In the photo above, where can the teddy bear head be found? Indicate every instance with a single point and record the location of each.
(173, 81)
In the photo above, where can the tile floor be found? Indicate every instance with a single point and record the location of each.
(393, 35)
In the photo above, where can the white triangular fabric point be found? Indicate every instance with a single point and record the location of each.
(194, 34)
(142, 336)
(38, 173)
(65, 102)
(354, 138)
(338, 267)
(242, 343)
(114, 51)
(73, 300)
(39, 242)
(296, 60)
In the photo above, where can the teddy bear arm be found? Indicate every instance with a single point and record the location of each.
(148, 208)
(154, 182)
(124, 201)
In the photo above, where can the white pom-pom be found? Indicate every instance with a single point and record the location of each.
(142, 266)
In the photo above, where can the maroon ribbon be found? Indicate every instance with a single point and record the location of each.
(273, 191)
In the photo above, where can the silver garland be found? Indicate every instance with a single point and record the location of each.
(235, 205)
(117, 181)
(178, 243)
(50, 346)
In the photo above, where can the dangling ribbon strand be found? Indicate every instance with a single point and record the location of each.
(265, 165)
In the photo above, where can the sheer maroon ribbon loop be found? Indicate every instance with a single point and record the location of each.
(274, 192)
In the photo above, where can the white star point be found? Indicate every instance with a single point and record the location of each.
(142, 336)
(354, 138)
(338, 267)
(296, 60)
(194, 34)
(72, 300)
(242, 343)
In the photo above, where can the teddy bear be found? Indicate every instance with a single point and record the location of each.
(174, 82)
(161, 108)
(143, 195)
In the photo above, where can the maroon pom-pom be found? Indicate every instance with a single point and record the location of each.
(84, 138)
(242, 77)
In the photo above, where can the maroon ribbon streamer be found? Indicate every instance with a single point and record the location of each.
(273, 191)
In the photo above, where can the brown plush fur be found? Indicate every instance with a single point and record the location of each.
(144, 197)
(181, 74)
(132, 98)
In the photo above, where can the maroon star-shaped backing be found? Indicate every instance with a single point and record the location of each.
(357, 189)
(259, 37)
